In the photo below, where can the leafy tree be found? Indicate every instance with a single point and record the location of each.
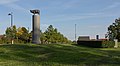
(51, 35)
(11, 33)
(8, 32)
(114, 30)
(23, 34)
(20, 34)
(43, 39)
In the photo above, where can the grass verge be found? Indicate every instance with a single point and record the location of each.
(57, 55)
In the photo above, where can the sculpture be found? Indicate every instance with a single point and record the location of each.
(35, 11)
(35, 26)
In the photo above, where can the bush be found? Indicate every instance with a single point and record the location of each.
(97, 43)
(1, 41)
(108, 44)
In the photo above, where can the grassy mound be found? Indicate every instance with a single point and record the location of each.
(57, 55)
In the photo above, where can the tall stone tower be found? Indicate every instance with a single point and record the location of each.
(35, 26)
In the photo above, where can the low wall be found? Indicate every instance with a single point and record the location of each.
(90, 43)
(97, 43)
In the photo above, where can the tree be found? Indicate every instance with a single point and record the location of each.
(114, 30)
(51, 35)
(23, 34)
(43, 38)
(11, 33)
(19, 35)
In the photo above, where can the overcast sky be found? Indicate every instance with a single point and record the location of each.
(91, 16)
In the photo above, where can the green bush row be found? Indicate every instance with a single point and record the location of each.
(97, 44)
(108, 44)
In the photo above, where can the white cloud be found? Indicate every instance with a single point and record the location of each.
(17, 7)
(3, 2)
(44, 27)
(94, 26)
(114, 5)
(70, 4)
(69, 17)
(12, 4)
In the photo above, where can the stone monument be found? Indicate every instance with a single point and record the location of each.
(35, 26)
(116, 43)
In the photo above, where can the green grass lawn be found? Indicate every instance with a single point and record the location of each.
(57, 55)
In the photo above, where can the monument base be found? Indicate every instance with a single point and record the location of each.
(36, 42)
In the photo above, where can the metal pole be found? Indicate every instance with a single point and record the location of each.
(12, 27)
(11, 14)
(75, 33)
(11, 19)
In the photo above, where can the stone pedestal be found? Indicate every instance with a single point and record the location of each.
(116, 43)
(36, 29)
(35, 26)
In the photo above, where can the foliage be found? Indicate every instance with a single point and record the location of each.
(2, 39)
(51, 35)
(114, 30)
(23, 34)
(42, 38)
(108, 44)
(11, 32)
(57, 55)
(20, 35)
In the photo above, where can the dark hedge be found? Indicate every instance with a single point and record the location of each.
(97, 43)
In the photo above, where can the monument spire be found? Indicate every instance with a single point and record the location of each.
(35, 26)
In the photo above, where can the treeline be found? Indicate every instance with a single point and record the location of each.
(23, 35)
(19, 35)
(51, 35)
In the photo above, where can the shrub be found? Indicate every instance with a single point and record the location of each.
(108, 44)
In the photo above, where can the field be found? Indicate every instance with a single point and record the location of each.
(57, 55)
